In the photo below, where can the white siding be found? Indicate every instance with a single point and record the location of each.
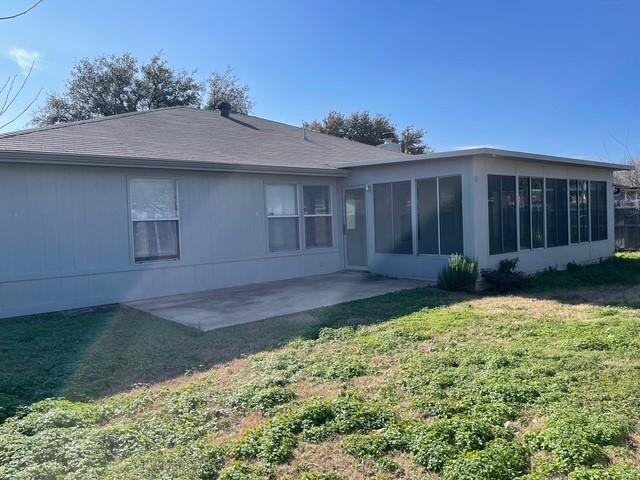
(65, 237)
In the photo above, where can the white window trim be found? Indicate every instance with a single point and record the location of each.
(172, 219)
(268, 217)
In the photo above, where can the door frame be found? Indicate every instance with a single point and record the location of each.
(364, 268)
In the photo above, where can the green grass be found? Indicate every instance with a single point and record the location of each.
(418, 384)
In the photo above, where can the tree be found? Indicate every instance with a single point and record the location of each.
(23, 12)
(370, 129)
(117, 84)
(226, 87)
(629, 178)
(9, 93)
(412, 141)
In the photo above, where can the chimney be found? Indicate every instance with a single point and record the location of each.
(390, 143)
(225, 109)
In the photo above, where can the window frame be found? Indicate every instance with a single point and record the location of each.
(268, 217)
(556, 213)
(589, 209)
(516, 214)
(132, 221)
(579, 225)
(417, 209)
(305, 216)
(412, 209)
(606, 210)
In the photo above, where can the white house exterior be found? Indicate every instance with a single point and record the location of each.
(180, 200)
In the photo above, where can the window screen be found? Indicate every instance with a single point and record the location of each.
(450, 190)
(524, 200)
(557, 212)
(428, 216)
(598, 211)
(578, 211)
(537, 213)
(392, 217)
(502, 213)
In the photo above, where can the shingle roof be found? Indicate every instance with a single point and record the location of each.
(192, 135)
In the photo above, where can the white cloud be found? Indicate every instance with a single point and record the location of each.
(24, 58)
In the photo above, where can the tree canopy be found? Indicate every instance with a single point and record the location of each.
(109, 85)
(370, 129)
(225, 87)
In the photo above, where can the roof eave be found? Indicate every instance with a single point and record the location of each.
(491, 152)
(20, 156)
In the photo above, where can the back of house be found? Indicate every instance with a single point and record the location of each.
(182, 200)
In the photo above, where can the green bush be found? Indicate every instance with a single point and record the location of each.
(613, 473)
(262, 396)
(460, 274)
(506, 279)
(320, 476)
(242, 471)
(501, 460)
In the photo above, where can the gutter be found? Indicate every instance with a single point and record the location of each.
(487, 152)
(20, 156)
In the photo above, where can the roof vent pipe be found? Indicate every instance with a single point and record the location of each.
(225, 109)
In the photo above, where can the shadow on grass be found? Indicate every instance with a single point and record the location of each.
(614, 281)
(89, 355)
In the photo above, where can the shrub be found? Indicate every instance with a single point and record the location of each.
(573, 267)
(460, 274)
(501, 460)
(320, 476)
(613, 473)
(506, 278)
(243, 471)
(262, 396)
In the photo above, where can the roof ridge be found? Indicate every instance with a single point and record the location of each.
(88, 120)
(328, 135)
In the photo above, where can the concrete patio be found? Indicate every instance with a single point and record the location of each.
(233, 306)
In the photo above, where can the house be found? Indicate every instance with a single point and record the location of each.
(181, 200)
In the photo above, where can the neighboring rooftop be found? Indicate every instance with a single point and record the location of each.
(189, 135)
(189, 138)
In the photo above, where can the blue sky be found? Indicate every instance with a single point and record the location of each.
(559, 77)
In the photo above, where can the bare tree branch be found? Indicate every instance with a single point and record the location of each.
(11, 95)
(22, 112)
(6, 105)
(24, 12)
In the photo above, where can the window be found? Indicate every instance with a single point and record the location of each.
(557, 228)
(598, 192)
(392, 217)
(578, 211)
(537, 212)
(440, 215)
(531, 212)
(283, 218)
(502, 214)
(154, 214)
(524, 202)
(317, 216)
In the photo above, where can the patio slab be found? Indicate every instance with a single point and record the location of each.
(233, 306)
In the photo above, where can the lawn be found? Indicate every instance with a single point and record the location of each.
(421, 384)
